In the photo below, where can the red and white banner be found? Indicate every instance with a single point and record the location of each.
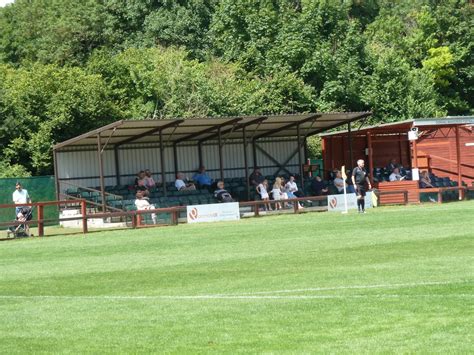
(216, 212)
(336, 202)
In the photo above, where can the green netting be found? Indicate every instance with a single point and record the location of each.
(40, 188)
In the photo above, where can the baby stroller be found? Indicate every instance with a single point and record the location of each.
(23, 229)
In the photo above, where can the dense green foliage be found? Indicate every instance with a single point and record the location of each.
(67, 66)
(309, 283)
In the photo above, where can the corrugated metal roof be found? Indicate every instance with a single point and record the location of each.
(407, 124)
(201, 129)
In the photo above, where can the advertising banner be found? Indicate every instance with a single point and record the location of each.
(216, 212)
(336, 202)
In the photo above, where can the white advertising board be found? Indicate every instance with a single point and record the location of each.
(216, 212)
(336, 202)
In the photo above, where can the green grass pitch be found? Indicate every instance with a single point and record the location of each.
(397, 279)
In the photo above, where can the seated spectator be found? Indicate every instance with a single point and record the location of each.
(395, 175)
(340, 184)
(256, 178)
(182, 183)
(319, 186)
(292, 188)
(425, 181)
(149, 181)
(142, 203)
(262, 190)
(393, 165)
(277, 193)
(201, 178)
(140, 183)
(221, 194)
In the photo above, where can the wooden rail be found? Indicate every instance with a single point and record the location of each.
(173, 211)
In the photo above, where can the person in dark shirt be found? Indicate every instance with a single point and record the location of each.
(318, 186)
(359, 179)
(392, 165)
(256, 178)
(221, 194)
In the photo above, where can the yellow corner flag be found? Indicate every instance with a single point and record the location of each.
(343, 172)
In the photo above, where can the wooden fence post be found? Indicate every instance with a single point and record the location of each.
(84, 216)
(40, 221)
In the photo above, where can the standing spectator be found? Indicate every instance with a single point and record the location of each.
(182, 183)
(201, 178)
(221, 194)
(359, 179)
(256, 178)
(20, 196)
(262, 190)
(277, 193)
(149, 181)
(142, 203)
(284, 194)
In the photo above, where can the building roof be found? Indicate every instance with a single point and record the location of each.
(404, 126)
(174, 131)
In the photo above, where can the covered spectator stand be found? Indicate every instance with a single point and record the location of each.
(444, 147)
(229, 147)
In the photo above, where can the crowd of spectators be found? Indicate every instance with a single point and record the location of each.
(276, 194)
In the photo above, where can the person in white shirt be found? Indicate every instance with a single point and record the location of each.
(339, 183)
(291, 190)
(20, 196)
(142, 203)
(262, 191)
(181, 184)
(395, 175)
(277, 193)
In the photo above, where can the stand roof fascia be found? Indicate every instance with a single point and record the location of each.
(404, 126)
(174, 131)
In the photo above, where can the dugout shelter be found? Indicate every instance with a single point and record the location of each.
(442, 146)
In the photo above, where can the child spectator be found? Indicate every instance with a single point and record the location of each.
(221, 194)
(263, 192)
(277, 192)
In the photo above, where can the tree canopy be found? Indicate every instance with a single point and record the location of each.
(69, 66)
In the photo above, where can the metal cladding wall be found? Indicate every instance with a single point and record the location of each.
(82, 167)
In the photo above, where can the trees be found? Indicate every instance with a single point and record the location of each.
(68, 66)
(44, 104)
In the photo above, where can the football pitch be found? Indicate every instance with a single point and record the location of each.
(397, 279)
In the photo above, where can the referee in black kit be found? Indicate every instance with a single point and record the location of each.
(359, 178)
